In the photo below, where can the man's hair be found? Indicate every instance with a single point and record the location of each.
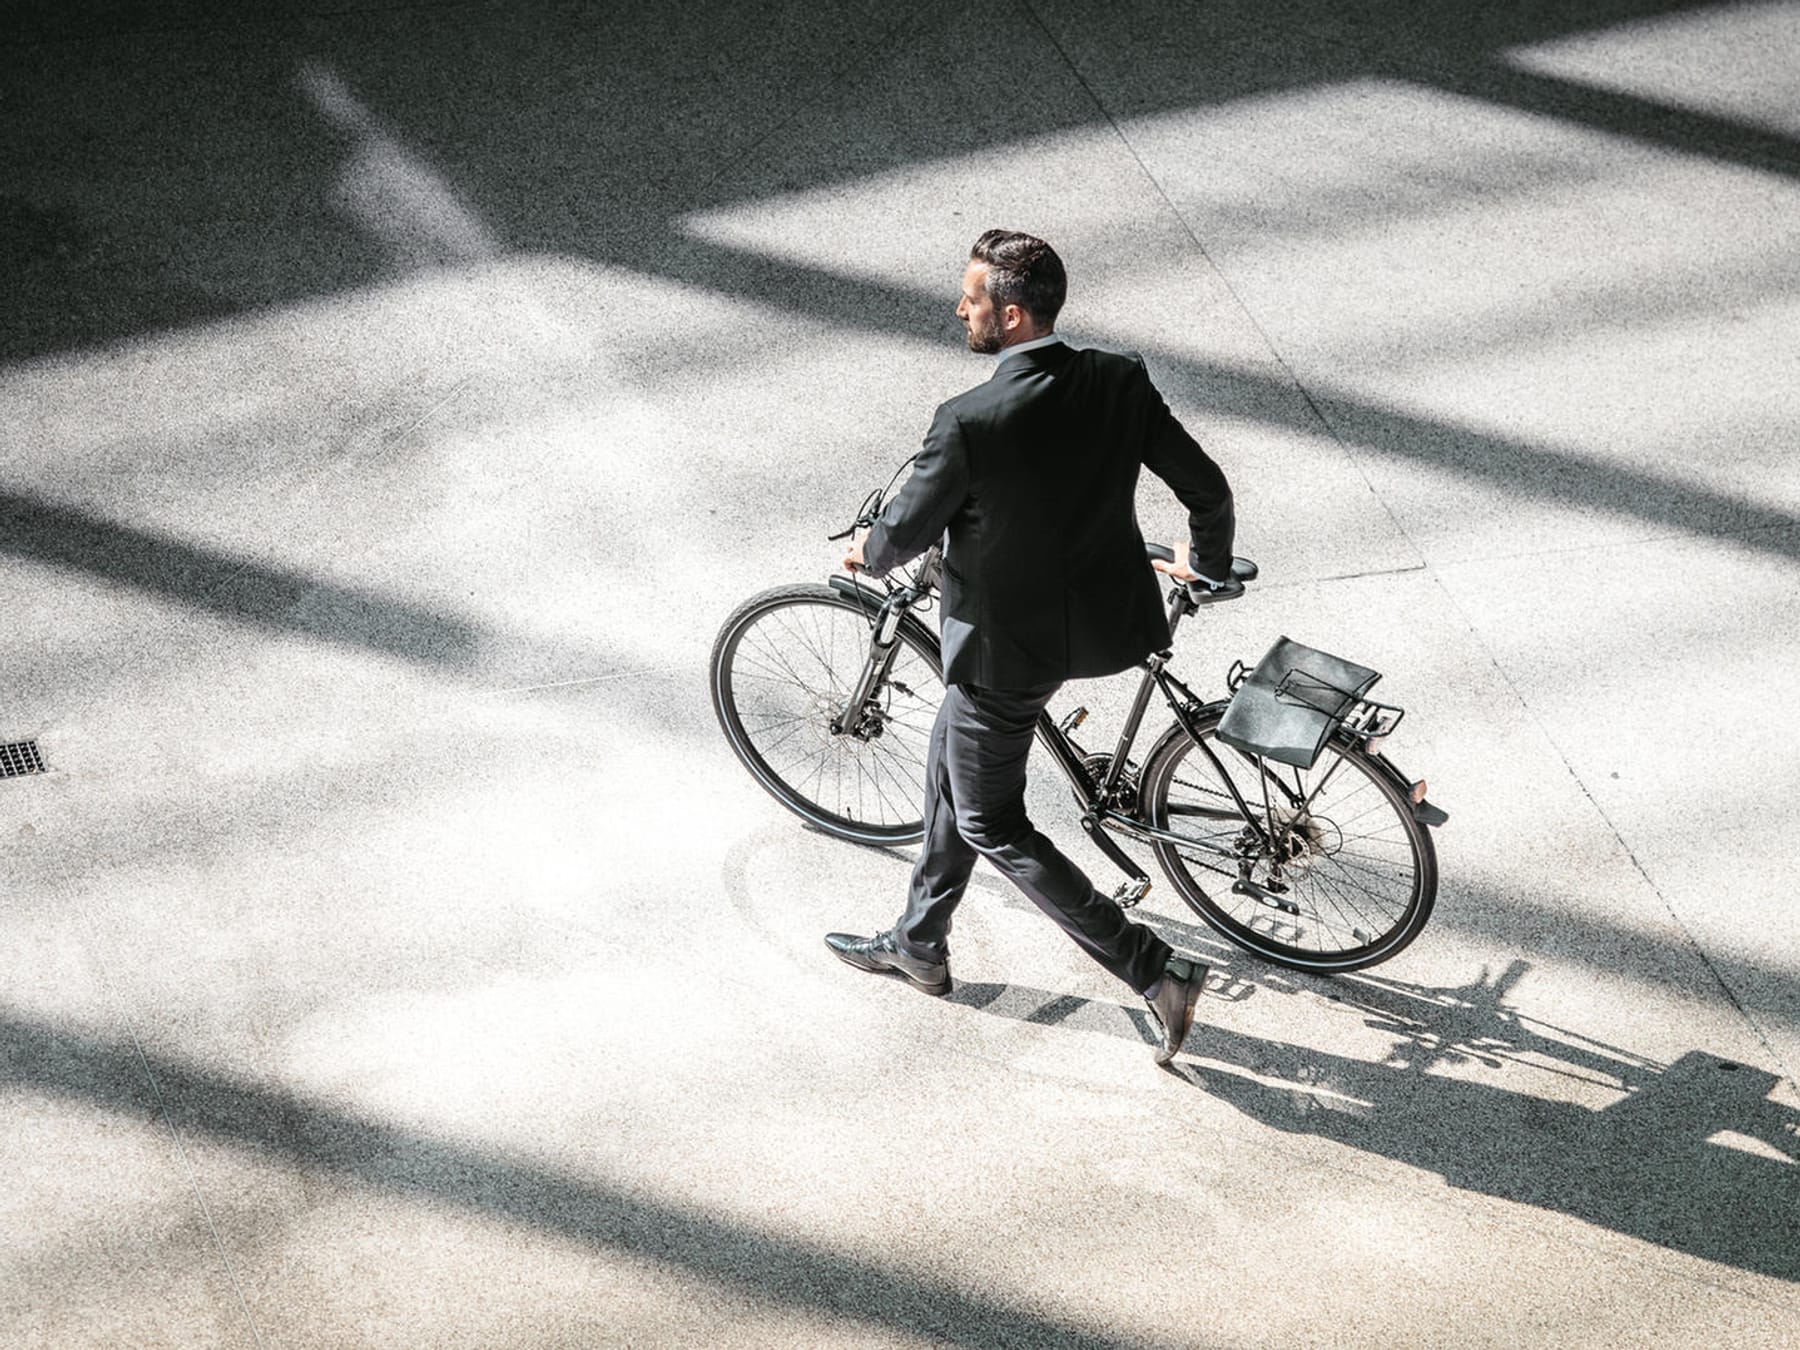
(1023, 270)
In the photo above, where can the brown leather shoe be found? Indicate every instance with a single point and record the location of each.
(1174, 1003)
(879, 954)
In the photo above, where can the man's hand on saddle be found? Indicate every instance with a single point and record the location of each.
(1178, 569)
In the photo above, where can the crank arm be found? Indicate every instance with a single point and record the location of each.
(1107, 845)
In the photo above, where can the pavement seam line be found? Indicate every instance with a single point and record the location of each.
(637, 672)
(1212, 264)
(1344, 576)
(1617, 545)
(1681, 926)
(162, 1110)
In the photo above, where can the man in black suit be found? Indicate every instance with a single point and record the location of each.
(1030, 481)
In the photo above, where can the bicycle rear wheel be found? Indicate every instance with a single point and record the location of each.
(1341, 875)
(782, 667)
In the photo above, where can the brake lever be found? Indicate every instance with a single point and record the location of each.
(870, 513)
(861, 523)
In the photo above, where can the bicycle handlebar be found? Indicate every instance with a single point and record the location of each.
(1242, 569)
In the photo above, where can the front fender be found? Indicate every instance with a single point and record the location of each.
(867, 596)
(873, 601)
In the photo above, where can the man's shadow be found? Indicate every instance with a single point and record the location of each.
(1692, 1155)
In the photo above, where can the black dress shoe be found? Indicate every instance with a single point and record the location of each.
(1174, 1003)
(880, 955)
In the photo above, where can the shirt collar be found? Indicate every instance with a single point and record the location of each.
(1035, 343)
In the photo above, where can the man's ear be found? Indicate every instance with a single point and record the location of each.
(1011, 317)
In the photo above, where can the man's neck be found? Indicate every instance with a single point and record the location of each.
(1027, 344)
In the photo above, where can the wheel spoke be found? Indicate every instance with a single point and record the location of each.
(786, 674)
(1351, 857)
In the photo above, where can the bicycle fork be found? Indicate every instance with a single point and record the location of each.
(875, 671)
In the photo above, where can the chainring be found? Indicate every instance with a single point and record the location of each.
(1124, 797)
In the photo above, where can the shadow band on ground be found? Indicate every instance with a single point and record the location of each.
(231, 587)
(1516, 467)
(288, 1131)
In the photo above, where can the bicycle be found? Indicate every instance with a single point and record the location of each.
(827, 694)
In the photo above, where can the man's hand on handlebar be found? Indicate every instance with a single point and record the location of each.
(853, 553)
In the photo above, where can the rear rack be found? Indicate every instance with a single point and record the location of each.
(1366, 718)
(1288, 704)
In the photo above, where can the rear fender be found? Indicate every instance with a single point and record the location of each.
(1424, 812)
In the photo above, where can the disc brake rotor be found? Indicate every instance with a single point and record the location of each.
(1301, 839)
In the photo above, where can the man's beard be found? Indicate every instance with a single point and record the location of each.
(986, 341)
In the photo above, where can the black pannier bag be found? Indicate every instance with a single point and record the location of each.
(1287, 707)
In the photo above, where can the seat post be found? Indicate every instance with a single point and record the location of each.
(1181, 605)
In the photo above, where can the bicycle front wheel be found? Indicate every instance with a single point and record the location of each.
(783, 667)
(1335, 874)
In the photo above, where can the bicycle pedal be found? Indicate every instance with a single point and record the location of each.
(1130, 892)
(1074, 720)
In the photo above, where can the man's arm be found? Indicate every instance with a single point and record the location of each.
(1176, 458)
(914, 520)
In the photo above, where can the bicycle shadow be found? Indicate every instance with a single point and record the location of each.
(1692, 1155)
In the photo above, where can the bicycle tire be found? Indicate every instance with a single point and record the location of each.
(782, 667)
(1352, 897)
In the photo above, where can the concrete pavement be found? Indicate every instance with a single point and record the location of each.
(395, 399)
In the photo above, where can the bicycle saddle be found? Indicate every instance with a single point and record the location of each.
(1242, 570)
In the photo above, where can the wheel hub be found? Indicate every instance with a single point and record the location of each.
(1300, 839)
(827, 709)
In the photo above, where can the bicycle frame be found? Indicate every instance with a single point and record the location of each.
(1097, 816)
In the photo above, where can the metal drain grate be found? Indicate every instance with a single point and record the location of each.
(18, 758)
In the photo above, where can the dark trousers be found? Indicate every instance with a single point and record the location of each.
(975, 808)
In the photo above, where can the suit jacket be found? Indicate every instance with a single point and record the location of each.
(1031, 480)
